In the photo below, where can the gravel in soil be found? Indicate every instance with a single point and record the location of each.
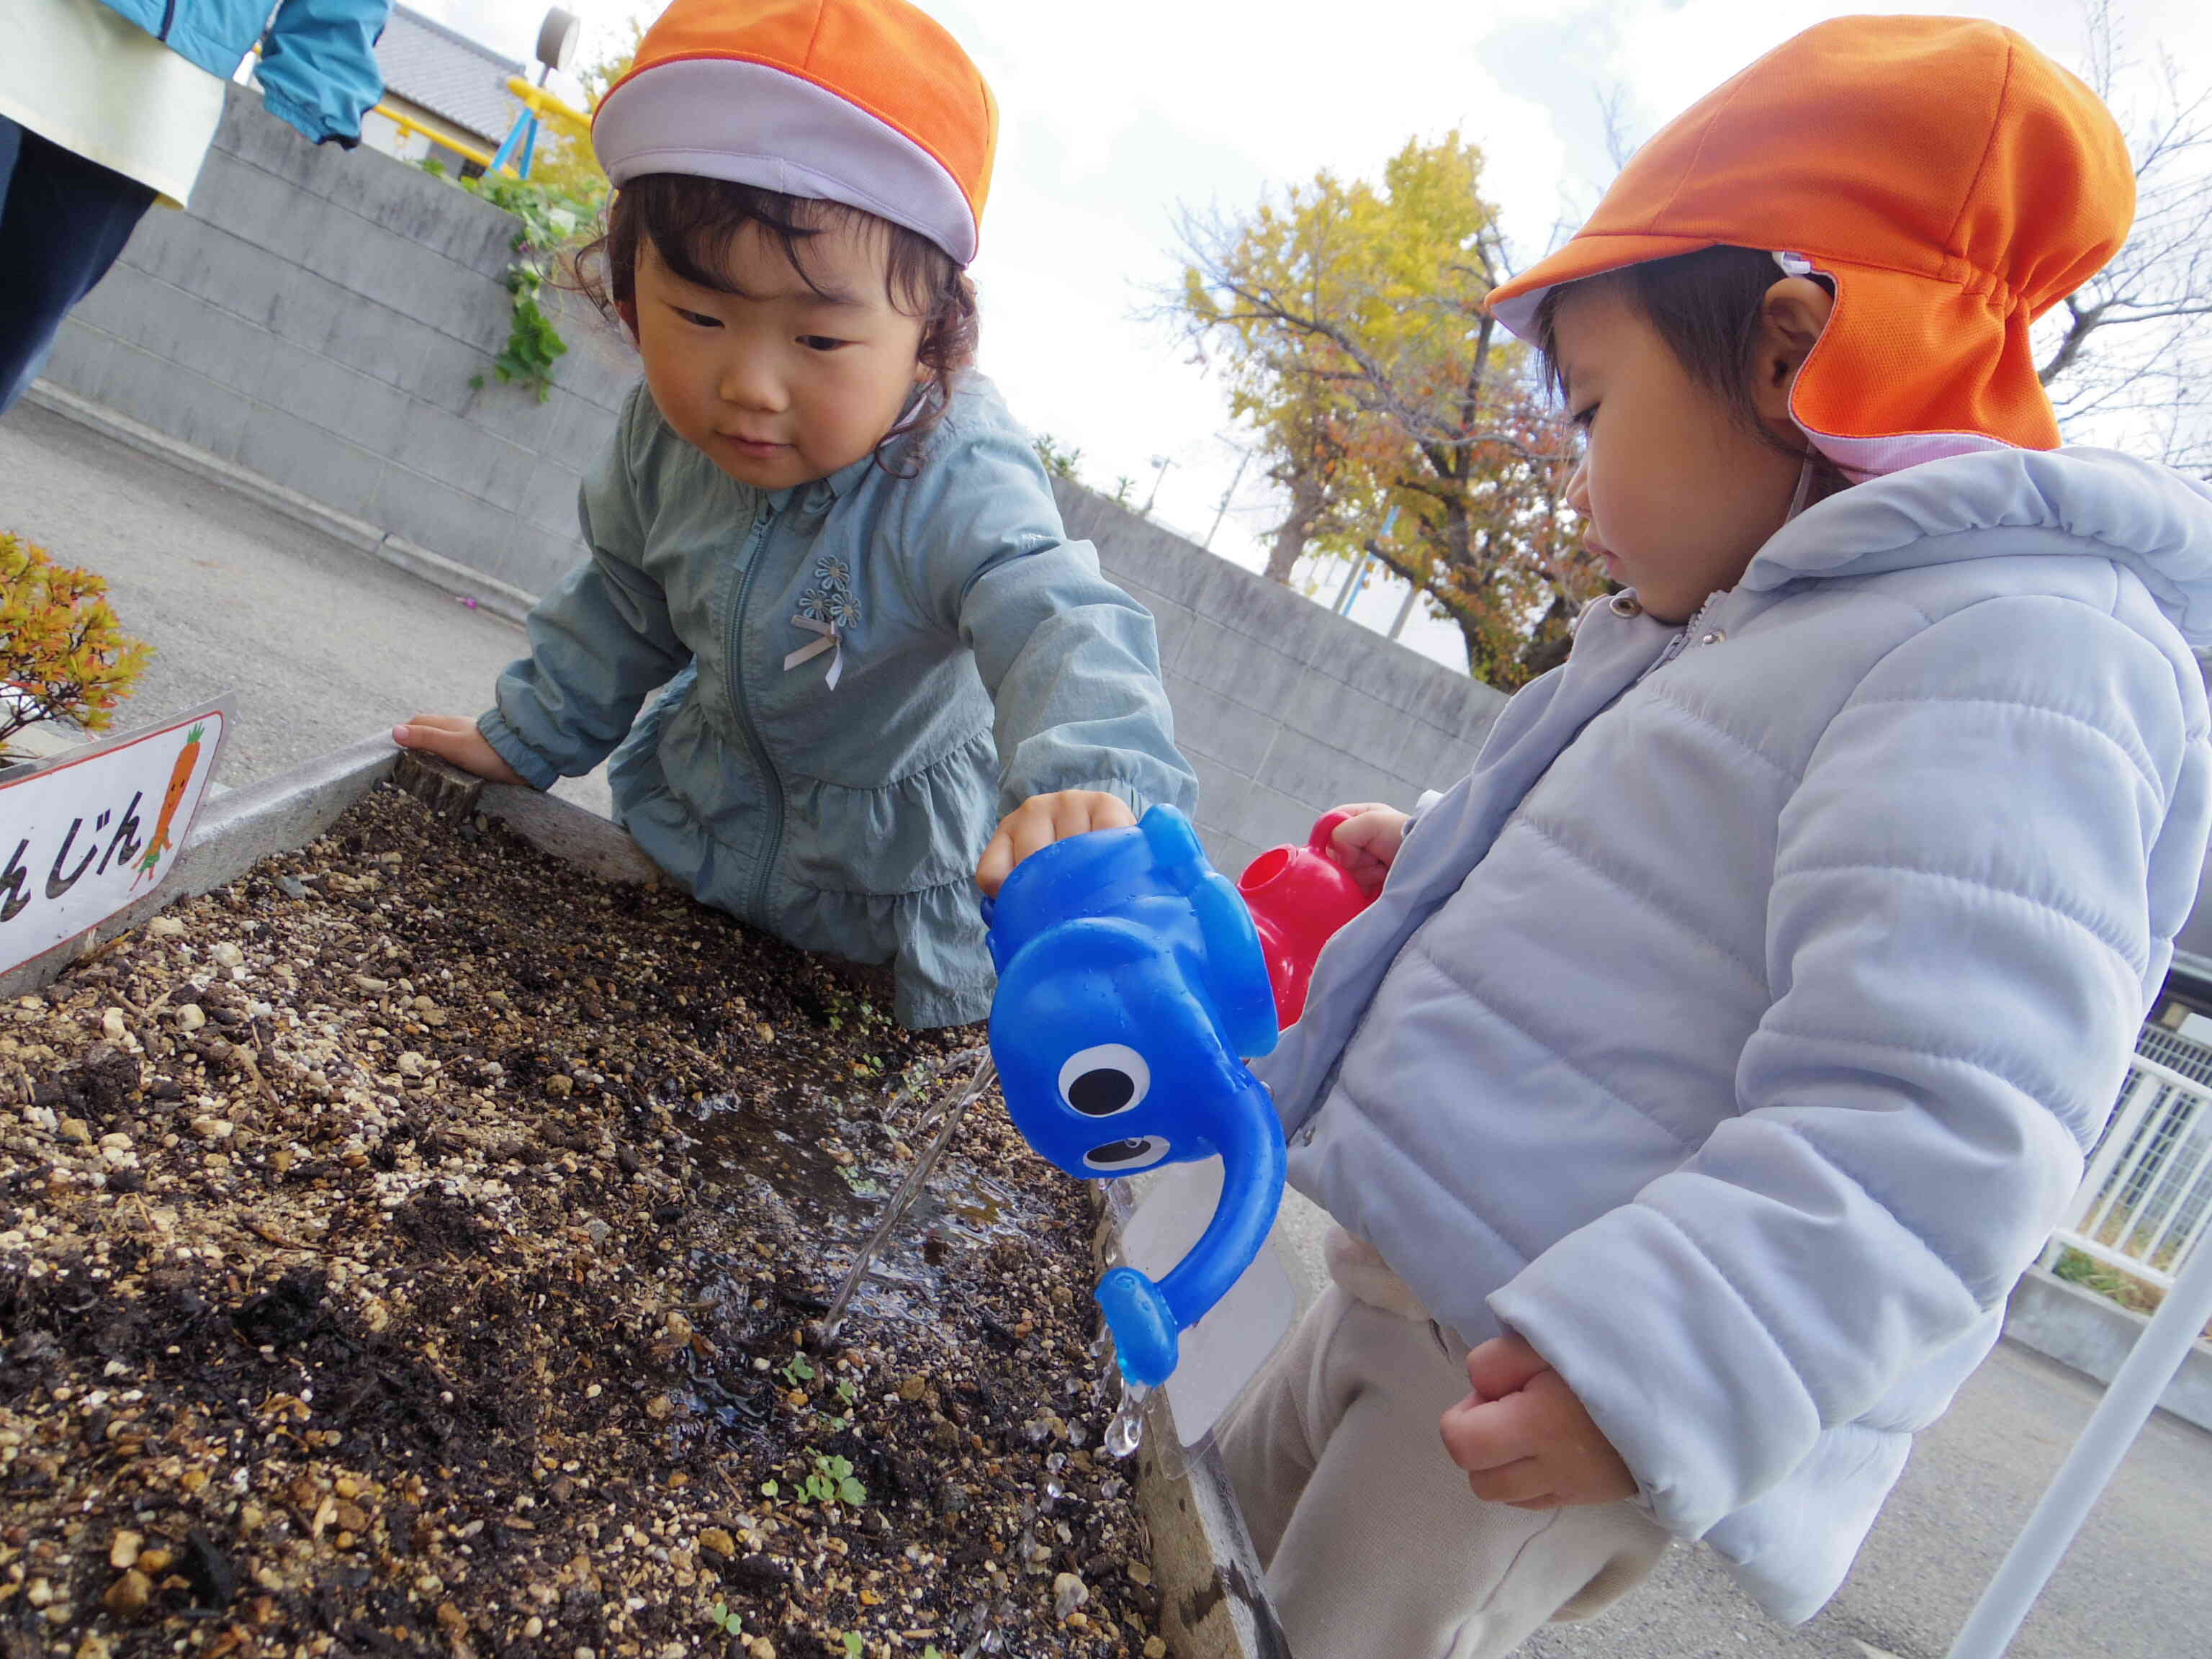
(410, 1248)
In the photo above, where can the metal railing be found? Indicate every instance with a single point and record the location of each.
(2177, 1053)
(409, 128)
(2142, 1207)
(2146, 1199)
(536, 100)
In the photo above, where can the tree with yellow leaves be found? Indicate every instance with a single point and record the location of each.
(1399, 419)
(63, 655)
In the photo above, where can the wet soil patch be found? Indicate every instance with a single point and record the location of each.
(409, 1249)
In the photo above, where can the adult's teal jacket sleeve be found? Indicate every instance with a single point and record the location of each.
(318, 71)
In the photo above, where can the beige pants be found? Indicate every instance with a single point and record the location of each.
(1374, 1547)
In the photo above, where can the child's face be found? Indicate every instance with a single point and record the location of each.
(1677, 493)
(778, 384)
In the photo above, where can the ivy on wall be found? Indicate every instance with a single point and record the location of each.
(552, 218)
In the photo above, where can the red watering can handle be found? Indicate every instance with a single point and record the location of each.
(1324, 829)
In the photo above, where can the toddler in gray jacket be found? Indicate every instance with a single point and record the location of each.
(889, 674)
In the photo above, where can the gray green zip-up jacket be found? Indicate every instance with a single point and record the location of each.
(841, 801)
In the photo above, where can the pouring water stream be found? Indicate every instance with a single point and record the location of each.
(902, 1200)
(1125, 1431)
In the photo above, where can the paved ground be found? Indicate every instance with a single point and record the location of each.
(322, 645)
(2137, 1584)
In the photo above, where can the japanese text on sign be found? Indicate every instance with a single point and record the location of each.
(82, 838)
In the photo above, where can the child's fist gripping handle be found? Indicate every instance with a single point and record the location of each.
(1299, 896)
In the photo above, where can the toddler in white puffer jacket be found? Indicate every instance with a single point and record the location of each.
(1718, 1055)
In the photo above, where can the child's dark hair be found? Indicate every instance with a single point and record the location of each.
(691, 222)
(1705, 306)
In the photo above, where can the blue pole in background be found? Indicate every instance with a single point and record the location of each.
(1358, 580)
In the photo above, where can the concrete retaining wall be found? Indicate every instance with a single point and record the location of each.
(2094, 1334)
(1284, 708)
(317, 317)
(309, 329)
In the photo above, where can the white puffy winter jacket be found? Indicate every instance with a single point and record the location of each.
(1736, 1031)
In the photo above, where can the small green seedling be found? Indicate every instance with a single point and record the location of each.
(769, 1489)
(720, 1617)
(801, 1370)
(853, 1644)
(832, 1482)
(846, 1392)
(863, 1185)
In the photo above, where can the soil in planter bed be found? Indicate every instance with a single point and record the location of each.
(407, 1249)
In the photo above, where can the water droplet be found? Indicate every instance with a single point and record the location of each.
(1053, 1492)
(1127, 1432)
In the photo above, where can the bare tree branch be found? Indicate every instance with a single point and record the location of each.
(1612, 111)
(2123, 360)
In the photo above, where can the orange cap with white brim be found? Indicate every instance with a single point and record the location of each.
(866, 102)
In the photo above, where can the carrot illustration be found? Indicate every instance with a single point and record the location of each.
(180, 778)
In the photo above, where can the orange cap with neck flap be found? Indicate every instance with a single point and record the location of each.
(1952, 181)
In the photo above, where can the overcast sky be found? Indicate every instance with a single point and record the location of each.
(1114, 117)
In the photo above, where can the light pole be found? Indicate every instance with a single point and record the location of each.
(1413, 589)
(1227, 496)
(2129, 1399)
(1405, 611)
(1164, 463)
(1357, 579)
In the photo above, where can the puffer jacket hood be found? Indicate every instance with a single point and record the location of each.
(2150, 519)
(1735, 1031)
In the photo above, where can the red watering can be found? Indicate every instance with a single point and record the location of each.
(1298, 895)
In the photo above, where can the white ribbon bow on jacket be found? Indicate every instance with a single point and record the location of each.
(828, 642)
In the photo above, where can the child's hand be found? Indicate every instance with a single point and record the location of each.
(1041, 820)
(453, 738)
(1367, 841)
(1525, 1440)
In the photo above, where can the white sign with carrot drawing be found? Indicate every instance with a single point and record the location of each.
(95, 829)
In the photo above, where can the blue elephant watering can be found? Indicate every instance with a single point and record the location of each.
(1131, 980)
